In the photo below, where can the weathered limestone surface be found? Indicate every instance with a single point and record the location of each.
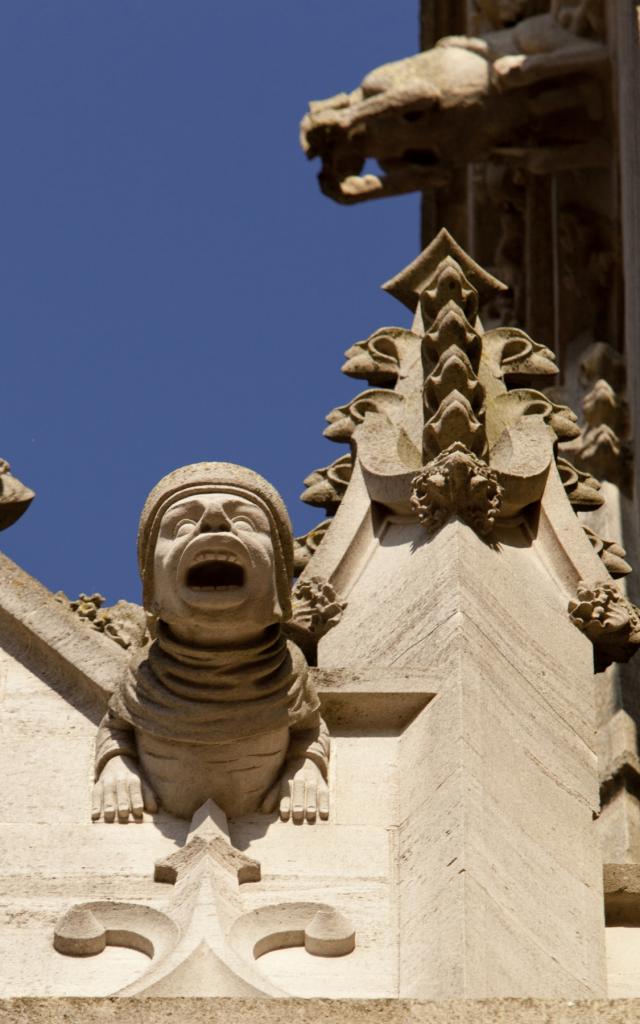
(50, 638)
(512, 717)
(319, 1011)
(564, 238)
(622, 901)
(53, 855)
(449, 621)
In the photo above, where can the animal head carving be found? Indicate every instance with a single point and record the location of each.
(397, 116)
(465, 101)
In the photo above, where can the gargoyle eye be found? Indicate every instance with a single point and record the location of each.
(183, 527)
(244, 523)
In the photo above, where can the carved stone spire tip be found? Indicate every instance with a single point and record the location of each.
(409, 283)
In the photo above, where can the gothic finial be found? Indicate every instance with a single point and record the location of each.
(410, 283)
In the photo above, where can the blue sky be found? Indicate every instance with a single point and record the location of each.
(173, 286)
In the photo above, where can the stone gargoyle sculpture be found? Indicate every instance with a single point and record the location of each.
(15, 498)
(466, 100)
(219, 704)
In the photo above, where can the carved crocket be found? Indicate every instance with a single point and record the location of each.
(466, 100)
(219, 705)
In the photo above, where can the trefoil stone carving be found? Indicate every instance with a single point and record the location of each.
(582, 489)
(208, 939)
(379, 358)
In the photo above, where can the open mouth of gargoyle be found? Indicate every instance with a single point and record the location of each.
(221, 571)
(415, 170)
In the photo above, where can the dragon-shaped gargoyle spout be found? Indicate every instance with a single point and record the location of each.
(466, 100)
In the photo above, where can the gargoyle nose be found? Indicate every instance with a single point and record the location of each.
(214, 524)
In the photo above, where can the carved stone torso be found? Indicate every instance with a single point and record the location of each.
(207, 728)
(237, 774)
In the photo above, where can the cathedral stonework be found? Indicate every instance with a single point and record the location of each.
(392, 763)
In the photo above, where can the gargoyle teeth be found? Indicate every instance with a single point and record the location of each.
(217, 556)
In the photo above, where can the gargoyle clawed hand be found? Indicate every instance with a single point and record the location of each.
(122, 791)
(301, 793)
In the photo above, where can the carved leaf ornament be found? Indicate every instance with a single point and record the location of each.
(610, 621)
(456, 482)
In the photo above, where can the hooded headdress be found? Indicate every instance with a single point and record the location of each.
(208, 477)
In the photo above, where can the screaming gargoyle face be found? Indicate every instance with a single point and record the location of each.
(214, 554)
